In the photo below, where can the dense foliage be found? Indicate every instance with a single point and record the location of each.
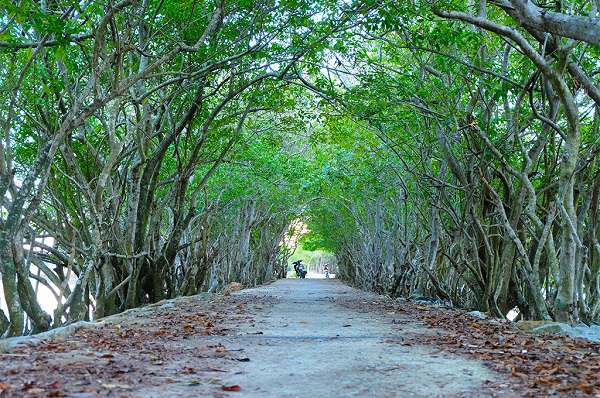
(475, 177)
(160, 148)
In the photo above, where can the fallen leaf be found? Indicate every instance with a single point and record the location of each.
(221, 349)
(231, 388)
(205, 382)
(123, 370)
(303, 321)
(56, 384)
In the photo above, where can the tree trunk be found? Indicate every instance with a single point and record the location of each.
(27, 295)
(11, 294)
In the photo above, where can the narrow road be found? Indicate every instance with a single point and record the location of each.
(311, 344)
(293, 338)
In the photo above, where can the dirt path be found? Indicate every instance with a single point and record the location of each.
(296, 338)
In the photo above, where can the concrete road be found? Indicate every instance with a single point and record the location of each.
(310, 344)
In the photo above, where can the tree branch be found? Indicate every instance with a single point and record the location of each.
(576, 27)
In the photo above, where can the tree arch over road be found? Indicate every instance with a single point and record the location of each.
(154, 149)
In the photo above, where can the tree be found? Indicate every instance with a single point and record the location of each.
(142, 105)
(500, 178)
(540, 23)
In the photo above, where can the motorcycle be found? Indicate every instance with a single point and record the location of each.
(300, 270)
(326, 269)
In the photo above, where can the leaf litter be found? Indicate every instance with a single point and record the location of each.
(538, 365)
(156, 347)
(183, 349)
